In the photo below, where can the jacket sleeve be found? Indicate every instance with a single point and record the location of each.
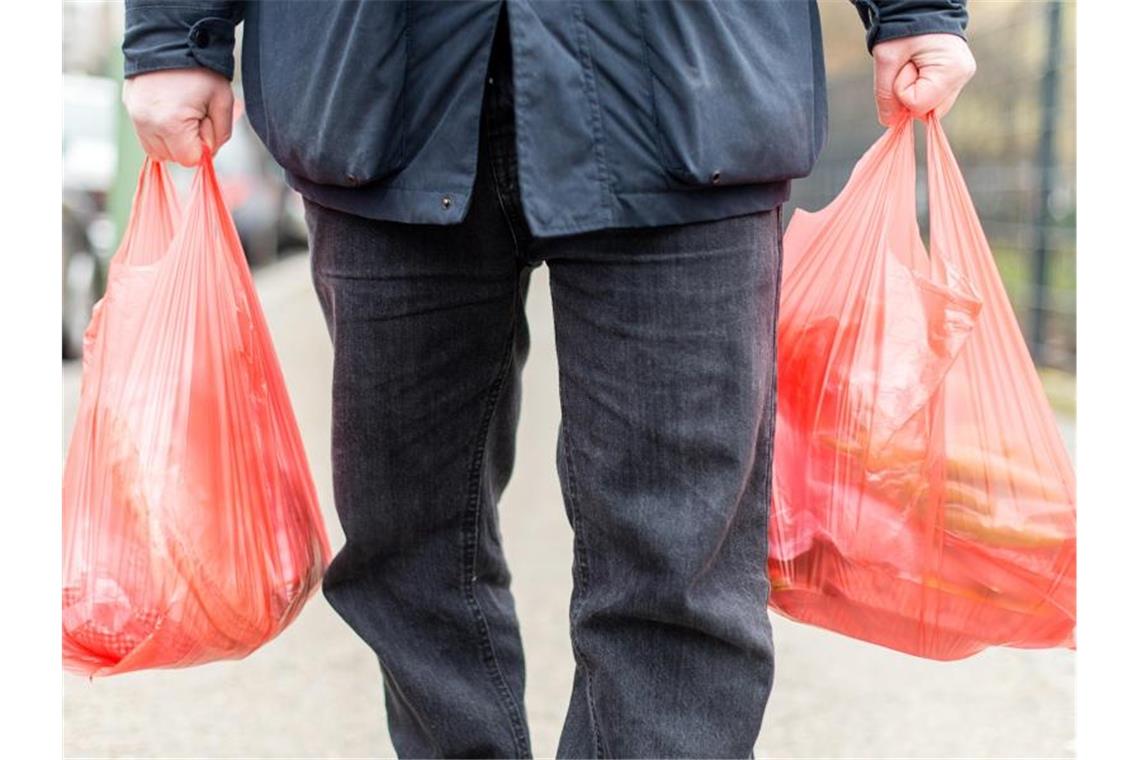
(891, 19)
(183, 34)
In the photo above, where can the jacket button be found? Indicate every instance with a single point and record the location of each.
(716, 178)
(446, 201)
(200, 37)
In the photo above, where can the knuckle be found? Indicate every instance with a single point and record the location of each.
(146, 117)
(168, 126)
(887, 55)
(185, 145)
(186, 157)
(142, 122)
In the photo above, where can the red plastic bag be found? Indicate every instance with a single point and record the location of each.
(923, 498)
(191, 529)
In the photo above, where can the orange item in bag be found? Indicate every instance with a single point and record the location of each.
(923, 498)
(191, 529)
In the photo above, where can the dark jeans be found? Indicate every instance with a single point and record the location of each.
(665, 341)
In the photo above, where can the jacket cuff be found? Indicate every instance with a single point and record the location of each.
(891, 19)
(179, 36)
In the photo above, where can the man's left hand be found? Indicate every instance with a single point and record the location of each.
(920, 74)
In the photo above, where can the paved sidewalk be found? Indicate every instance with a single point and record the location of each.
(315, 690)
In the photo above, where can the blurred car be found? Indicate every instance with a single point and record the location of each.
(267, 213)
(89, 158)
(87, 237)
(89, 152)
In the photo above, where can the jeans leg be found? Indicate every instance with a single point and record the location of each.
(666, 349)
(429, 339)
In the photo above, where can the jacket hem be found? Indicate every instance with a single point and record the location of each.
(629, 209)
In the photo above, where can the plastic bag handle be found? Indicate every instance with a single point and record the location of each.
(155, 214)
(206, 211)
(878, 199)
(158, 219)
(892, 155)
(895, 180)
(954, 224)
(156, 204)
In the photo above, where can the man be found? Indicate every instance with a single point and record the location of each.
(641, 151)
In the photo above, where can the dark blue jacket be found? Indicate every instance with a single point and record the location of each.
(627, 113)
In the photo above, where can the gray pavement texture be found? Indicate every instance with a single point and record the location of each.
(315, 690)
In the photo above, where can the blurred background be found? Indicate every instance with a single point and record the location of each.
(315, 690)
(1013, 131)
(101, 161)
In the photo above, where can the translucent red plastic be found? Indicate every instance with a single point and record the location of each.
(923, 497)
(191, 529)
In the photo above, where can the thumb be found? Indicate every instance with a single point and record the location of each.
(918, 92)
(220, 114)
(208, 134)
(217, 126)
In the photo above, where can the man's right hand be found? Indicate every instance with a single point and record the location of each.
(176, 110)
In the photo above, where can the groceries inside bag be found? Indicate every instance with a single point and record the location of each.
(923, 498)
(191, 529)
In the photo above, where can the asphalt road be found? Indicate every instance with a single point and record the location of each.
(315, 690)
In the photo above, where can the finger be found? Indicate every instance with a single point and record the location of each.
(904, 85)
(185, 146)
(164, 148)
(886, 102)
(920, 92)
(153, 147)
(946, 104)
(888, 110)
(221, 115)
(208, 134)
(147, 136)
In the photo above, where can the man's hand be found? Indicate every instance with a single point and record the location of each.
(920, 74)
(174, 111)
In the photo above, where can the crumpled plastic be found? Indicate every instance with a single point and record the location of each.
(191, 527)
(923, 498)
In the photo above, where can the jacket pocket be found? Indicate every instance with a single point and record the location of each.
(328, 96)
(733, 89)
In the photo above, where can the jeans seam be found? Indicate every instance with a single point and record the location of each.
(581, 560)
(772, 407)
(325, 296)
(470, 553)
(423, 725)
